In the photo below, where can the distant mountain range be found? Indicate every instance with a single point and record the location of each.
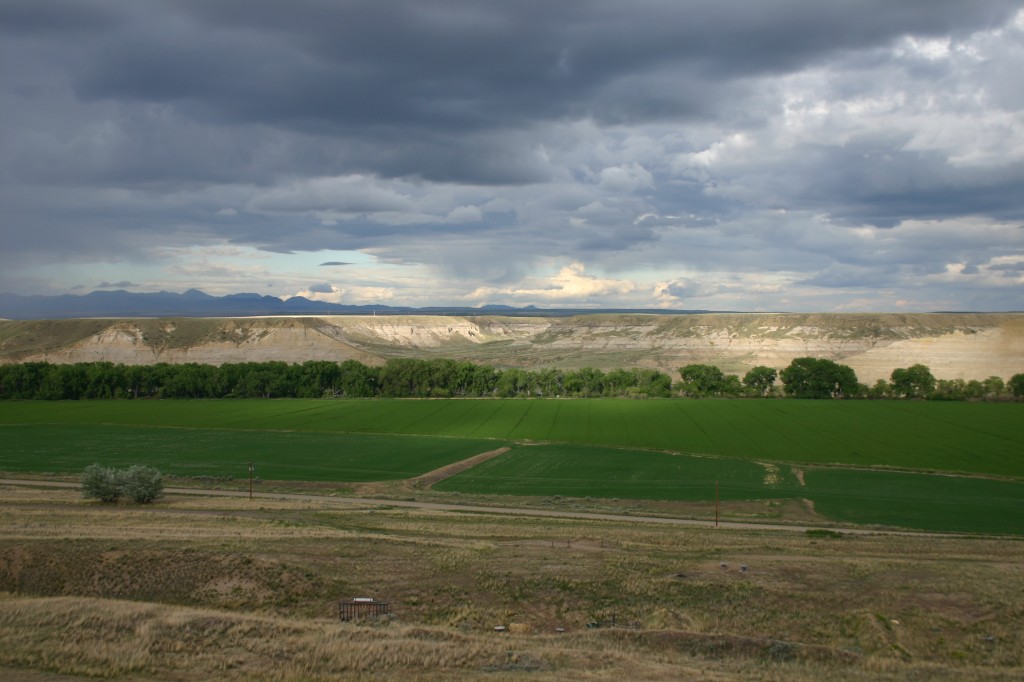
(195, 303)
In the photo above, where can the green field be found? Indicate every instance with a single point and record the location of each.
(923, 501)
(587, 471)
(909, 500)
(277, 455)
(574, 448)
(981, 438)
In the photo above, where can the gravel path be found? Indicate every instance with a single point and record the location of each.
(504, 511)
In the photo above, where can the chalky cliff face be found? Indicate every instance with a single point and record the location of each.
(966, 346)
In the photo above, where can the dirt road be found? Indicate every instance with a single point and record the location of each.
(503, 511)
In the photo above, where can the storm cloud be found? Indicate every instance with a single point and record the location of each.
(730, 154)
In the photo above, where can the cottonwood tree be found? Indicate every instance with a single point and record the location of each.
(760, 379)
(880, 390)
(915, 381)
(819, 378)
(701, 380)
(994, 387)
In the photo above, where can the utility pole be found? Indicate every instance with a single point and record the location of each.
(252, 468)
(716, 504)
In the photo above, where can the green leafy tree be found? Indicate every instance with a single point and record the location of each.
(23, 381)
(653, 383)
(1016, 385)
(731, 386)
(760, 379)
(974, 390)
(701, 380)
(317, 378)
(512, 382)
(818, 378)
(880, 390)
(994, 387)
(915, 381)
(356, 380)
(484, 381)
(584, 382)
(950, 389)
(618, 381)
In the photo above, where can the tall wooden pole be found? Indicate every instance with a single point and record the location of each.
(252, 467)
(716, 504)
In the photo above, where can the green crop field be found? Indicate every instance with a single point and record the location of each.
(584, 471)
(981, 438)
(581, 448)
(907, 500)
(923, 501)
(278, 455)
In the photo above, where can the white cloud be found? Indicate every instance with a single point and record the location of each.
(571, 283)
(464, 214)
(626, 178)
(930, 48)
(350, 295)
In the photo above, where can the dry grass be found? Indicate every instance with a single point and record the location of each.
(230, 589)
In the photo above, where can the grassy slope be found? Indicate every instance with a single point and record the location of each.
(19, 339)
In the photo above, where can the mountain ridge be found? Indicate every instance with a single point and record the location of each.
(196, 303)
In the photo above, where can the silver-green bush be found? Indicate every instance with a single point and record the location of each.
(141, 484)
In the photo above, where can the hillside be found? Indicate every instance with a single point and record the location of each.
(953, 345)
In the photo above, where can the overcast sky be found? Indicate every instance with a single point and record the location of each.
(839, 155)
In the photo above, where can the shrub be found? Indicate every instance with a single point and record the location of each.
(101, 483)
(141, 484)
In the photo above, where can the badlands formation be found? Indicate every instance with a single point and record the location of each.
(953, 345)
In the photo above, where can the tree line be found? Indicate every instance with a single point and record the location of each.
(397, 378)
(820, 378)
(440, 378)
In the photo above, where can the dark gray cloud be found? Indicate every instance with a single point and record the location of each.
(839, 145)
(321, 288)
(411, 88)
(28, 17)
(461, 65)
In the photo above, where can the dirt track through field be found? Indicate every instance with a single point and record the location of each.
(428, 479)
(507, 511)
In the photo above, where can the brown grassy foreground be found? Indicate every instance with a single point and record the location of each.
(197, 589)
